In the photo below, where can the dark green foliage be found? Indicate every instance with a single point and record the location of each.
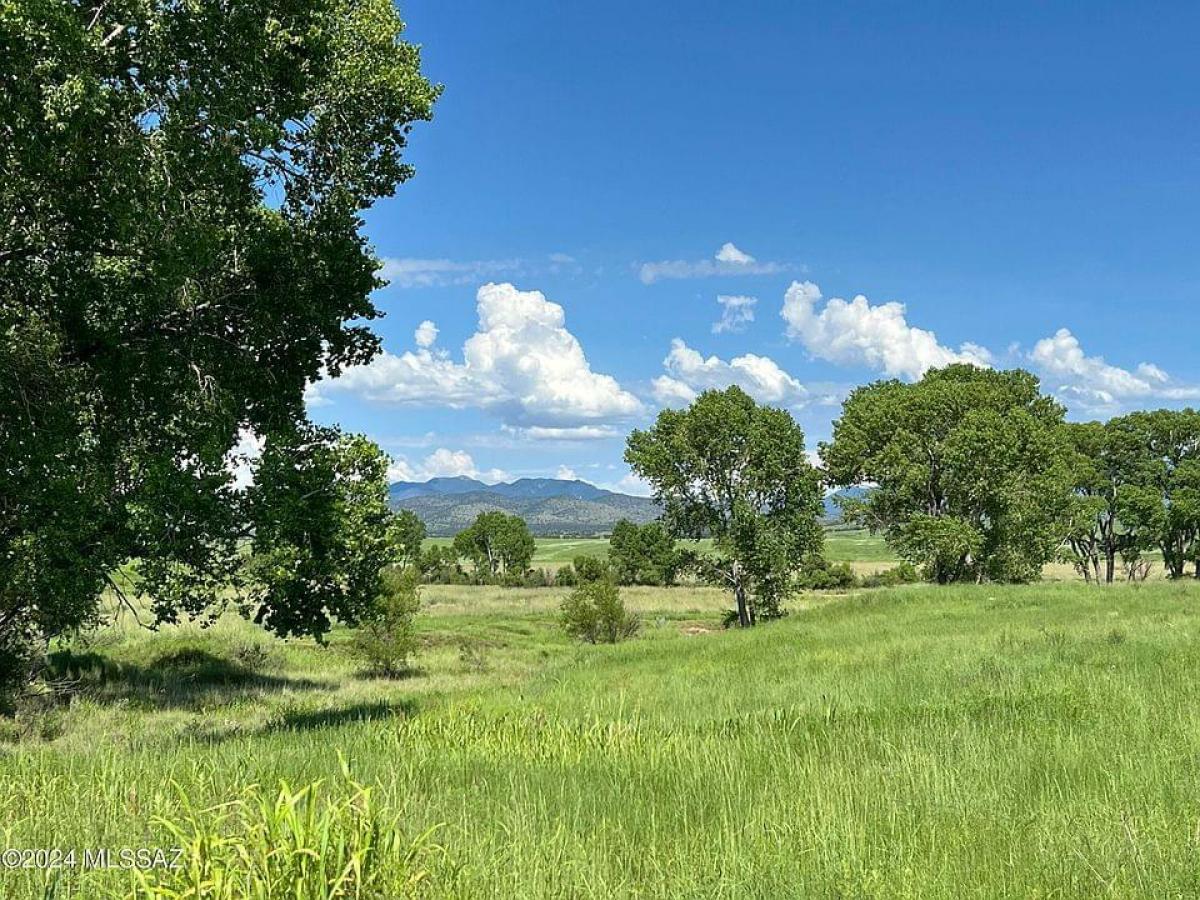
(732, 470)
(1107, 462)
(439, 565)
(591, 568)
(497, 545)
(181, 190)
(822, 575)
(1161, 502)
(16, 668)
(321, 532)
(594, 613)
(969, 467)
(643, 554)
(407, 533)
(566, 576)
(386, 638)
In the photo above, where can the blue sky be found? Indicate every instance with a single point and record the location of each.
(1024, 180)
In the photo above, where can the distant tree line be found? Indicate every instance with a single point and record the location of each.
(969, 474)
(498, 548)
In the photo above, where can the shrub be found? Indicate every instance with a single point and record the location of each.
(251, 655)
(594, 613)
(439, 565)
(387, 637)
(822, 575)
(566, 577)
(538, 578)
(904, 573)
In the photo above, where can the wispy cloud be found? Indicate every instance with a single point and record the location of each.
(737, 312)
(415, 273)
(728, 260)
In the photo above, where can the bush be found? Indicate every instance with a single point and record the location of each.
(904, 573)
(387, 638)
(251, 655)
(538, 578)
(594, 613)
(822, 575)
(566, 577)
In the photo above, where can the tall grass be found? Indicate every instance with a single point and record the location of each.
(298, 844)
(974, 742)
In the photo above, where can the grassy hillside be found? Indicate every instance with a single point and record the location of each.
(918, 742)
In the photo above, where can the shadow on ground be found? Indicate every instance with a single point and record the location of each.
(306, 720)
(184, 679)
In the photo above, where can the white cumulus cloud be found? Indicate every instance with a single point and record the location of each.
(728, 260)
(856, 333)
(522, 365)
(731, 254)
(688, 373)
(426, 334)
(442, 463)
(1096, 385)
(736, 313)
(566, 473)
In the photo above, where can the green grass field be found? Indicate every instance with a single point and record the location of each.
(1037, 741)
(840, 546)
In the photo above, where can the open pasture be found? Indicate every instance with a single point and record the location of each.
(978, 741)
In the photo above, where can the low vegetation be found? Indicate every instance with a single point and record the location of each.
(386, 640)
(594, 613)
(994, 741)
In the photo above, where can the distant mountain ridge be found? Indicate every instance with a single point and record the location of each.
(548, 505)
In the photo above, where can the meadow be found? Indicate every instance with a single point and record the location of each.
(858, 547)
(975, 741)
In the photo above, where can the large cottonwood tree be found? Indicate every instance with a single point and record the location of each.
(181, 190)
(732, 470)
(966, 470)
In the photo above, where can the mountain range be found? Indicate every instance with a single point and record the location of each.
(550, 506)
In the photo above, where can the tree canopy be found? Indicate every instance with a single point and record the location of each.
(642, 554)
(735, 471)
(966, 469)
(181, 189)
(1162, 501)
(496, 544)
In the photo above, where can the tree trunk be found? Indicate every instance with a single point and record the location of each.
(739, 592)
(1110, 565)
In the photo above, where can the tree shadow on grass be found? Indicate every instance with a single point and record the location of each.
(306, 720)
(188, 678)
